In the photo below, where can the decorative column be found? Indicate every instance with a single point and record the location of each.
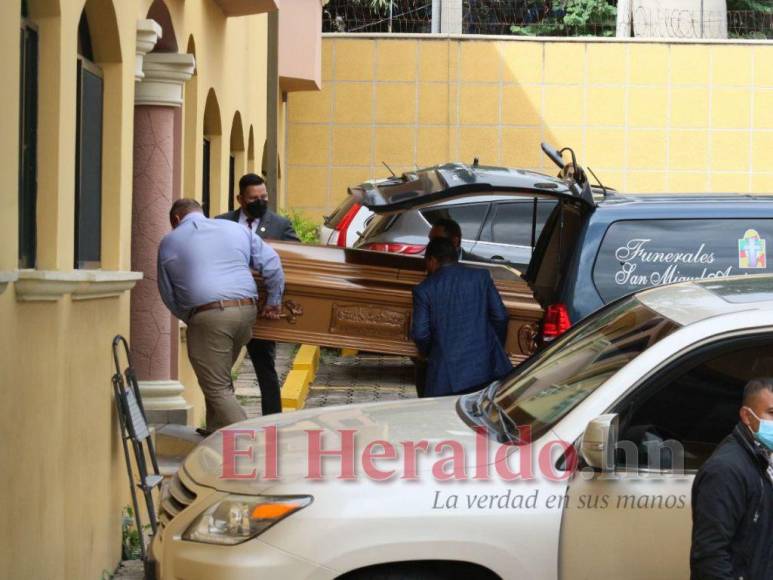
(148, 33)
(153, 330)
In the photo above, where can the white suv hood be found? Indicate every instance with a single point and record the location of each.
(430, 420)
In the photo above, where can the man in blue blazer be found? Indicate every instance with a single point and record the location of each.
(459, 324)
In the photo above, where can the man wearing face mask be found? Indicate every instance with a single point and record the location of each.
(253, 213)
(732, 497)
(459, 324)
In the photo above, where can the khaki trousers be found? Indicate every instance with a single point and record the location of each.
(215, 338)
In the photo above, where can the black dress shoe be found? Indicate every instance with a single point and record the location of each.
(204, 432)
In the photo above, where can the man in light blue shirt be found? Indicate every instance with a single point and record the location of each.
(204, 278)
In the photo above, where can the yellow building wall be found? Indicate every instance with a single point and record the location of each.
(62, 477)
(645, 116)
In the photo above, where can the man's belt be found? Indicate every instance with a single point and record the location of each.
(222, 304)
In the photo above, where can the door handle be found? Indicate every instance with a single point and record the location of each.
(498, 259)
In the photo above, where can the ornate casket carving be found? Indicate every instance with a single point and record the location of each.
(348, 298)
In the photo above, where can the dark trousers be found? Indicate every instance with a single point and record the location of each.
(420, 376)
(262, 353)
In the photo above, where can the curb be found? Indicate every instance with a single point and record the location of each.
(296, 386)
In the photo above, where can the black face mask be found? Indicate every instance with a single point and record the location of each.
(257, 209)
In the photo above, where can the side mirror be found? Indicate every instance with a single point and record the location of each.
(599, 442)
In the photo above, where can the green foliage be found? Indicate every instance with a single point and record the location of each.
(306, 228)
(130, 537)
(376, 5)
(578, 18)
(587, 16)
(762, 6)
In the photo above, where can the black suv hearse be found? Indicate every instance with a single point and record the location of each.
(598, 245)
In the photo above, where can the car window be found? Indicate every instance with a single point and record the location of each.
(469, 217)
(575, 365)
(378, 224)
(638, 254)
(678, 423)
(511, 222)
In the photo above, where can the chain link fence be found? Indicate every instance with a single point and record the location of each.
(553, 18)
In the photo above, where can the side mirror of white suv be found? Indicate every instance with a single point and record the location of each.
(599, 442)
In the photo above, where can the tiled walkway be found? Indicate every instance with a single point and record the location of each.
(340, 380)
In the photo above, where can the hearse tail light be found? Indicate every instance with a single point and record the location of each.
(346, 221)
(556, 322)
(410, 249)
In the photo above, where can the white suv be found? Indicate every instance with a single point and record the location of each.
(578, 465)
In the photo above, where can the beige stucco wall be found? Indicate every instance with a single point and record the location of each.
(62, 479)
(645, 116)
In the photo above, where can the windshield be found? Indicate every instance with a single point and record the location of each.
(558, 379)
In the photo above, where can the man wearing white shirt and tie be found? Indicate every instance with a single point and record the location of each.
(253, 213)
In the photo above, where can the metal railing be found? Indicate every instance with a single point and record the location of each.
(549, 18)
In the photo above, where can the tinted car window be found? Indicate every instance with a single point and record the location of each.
(469, 217)
(639, 254)
(697, 408)
(510, 223)
(378, 224)
(575, 365)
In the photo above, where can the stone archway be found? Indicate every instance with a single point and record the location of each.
(159, 12)
(103, 27)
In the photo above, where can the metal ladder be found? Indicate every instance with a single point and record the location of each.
(134, 431)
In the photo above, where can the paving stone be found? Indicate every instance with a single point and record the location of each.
(364, 378)
(130, 570)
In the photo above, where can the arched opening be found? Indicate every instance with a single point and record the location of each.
(98, 131)
(191, 132)
(159, 12)
(251, 151)
(236, 158)
(211, 178)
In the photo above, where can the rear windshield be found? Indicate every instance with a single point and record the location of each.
(639, 254)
